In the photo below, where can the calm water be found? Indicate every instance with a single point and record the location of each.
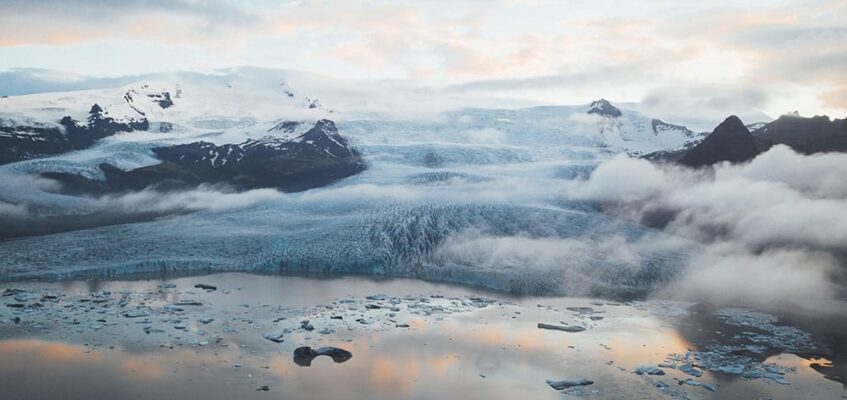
(456, 345)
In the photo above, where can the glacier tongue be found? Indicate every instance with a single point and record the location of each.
(477, 196)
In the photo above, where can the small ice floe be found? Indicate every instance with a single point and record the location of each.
(149, 329)
(781, 337)
(276, 337)
(25, 296)
(187, 303)
(775, 376)
(136, 314)
(582, 310)
(564, 384)
(566, 328)
(11, 292)
(726, 359)
(707, 386)
(648, 369)
(304, 355)
(690, 370)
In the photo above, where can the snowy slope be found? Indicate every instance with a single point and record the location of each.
(437, 189)
(632, 132)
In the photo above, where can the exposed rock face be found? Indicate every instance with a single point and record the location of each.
(22, 142)
(98, 126)
(317, 157)
(730, 141)
(805, 135)
(660, 126)
(604, 108)
(162, 99)
(734, 142)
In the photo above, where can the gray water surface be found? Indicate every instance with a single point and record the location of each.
(166, 339)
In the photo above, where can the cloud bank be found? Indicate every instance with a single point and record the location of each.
(773, 231)
(27, 219)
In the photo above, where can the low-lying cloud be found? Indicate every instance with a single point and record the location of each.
(34, 218)
(778, 221)
(203, 198)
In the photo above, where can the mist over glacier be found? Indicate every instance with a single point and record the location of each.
(772, 233)
(539, 200)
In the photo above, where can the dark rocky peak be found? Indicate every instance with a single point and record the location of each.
(99, 125)
(323, 138)
(806, 135)
(730, 141)
(324, 135)
(731, 127)
(162, 99)
(313, 103)
(604, 108)
(660, 126)
(316, 158)
(322, 128)
(24, 141)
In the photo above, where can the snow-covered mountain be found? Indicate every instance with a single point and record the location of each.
(636, 134)
(465, 174)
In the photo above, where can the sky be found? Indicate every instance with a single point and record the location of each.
(708, 56)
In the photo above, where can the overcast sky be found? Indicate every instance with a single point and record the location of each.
(774, 56)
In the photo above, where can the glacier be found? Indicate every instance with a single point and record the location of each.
(475, 195)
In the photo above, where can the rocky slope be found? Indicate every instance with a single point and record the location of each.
(22, 141)
(312, 159)
(734, 142)
(634, 133)
(730, 141)
(817, 134)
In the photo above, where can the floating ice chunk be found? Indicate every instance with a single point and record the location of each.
(562, 385)
(276, 337)
(648, 369)
(690, 370)
(570, 328)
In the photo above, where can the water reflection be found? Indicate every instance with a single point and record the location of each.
(492, 353)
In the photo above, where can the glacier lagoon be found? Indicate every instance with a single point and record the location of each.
(232, 335)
